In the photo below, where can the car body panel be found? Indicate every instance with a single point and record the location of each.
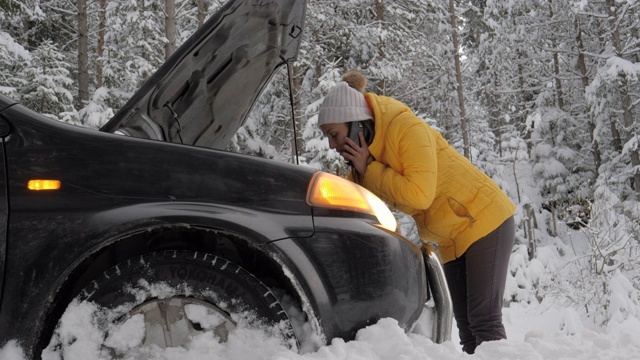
(4, 202)
(41, 148)
(211, 82)
(354, 280)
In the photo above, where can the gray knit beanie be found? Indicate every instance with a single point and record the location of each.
(343, 104)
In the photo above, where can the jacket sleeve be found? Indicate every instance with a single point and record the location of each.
(411, 184)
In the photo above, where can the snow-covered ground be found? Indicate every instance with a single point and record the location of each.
(536, 330)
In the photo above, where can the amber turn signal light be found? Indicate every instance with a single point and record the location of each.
(43, 185)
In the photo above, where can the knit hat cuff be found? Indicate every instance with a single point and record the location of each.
(333, 115)
(343, 104)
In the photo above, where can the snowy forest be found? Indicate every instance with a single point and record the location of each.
(542, 95)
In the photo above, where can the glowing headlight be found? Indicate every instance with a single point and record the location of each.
(330, 191)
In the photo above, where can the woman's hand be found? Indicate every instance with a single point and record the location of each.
(359, 156)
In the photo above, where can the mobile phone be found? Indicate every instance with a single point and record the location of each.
(354, 128)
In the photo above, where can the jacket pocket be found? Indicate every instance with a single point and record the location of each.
(447, 218)
(461, 211)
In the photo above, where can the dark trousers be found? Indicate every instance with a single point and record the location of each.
(476, 281)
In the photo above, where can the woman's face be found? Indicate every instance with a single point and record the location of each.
(336, 133)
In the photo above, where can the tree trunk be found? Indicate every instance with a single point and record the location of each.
(26, 29)
(201, 12)
(83, 53)
(100, 50)
(556, 65)
(521, 105)
(624, 91)
(145, 34)
(635, 35)
(494, 112)
(456, 57)
(595, 148)
(531, 245)
(170, 27)
(379, 11)
(616, 139)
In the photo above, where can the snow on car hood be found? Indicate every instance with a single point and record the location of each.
(203, 93)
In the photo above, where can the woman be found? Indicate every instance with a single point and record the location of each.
(413, 169)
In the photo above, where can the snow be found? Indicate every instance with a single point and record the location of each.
(535, 333)
(12, 50)
(551, 328)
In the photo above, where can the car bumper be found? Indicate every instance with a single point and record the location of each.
(354, 273)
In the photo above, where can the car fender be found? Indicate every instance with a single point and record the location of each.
(261, 227)
(97, 241)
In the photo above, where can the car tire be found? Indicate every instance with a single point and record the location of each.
(163, 286)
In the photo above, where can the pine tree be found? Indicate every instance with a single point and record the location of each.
(47, 84)
(14, 58)
(133, 47)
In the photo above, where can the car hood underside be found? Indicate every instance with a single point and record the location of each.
(205, 90)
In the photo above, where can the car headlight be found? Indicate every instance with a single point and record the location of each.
(331, 191)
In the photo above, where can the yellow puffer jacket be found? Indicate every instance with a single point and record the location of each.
(417, 172)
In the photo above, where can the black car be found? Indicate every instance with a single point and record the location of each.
(101, 216)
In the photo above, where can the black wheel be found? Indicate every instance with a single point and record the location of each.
(172, 296)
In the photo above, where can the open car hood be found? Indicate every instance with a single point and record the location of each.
(203, 93)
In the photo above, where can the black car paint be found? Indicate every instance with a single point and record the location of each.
(4, 201)
(357, 273)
